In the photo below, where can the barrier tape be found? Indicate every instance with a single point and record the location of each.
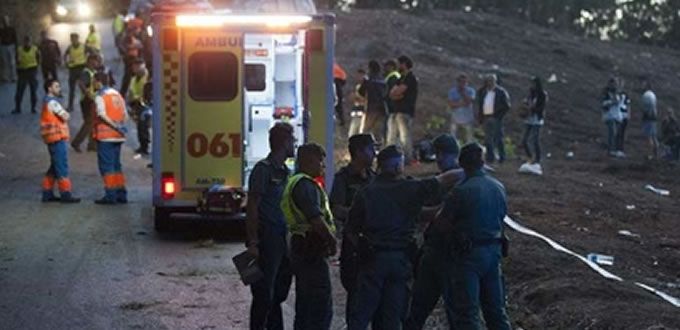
(530, 232)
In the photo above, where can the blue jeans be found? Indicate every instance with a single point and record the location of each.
(381, 288)
(531, 140)
(108, 159)
(493, 139)
(612, 133)
(476, 281)
(431, 282)
(313, 300)
(272, 289)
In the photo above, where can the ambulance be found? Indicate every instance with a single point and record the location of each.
(220, 82)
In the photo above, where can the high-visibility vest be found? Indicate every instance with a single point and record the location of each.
(93, 41)
(52, 127)
(338, 72)
(297, 224)
(137, 87)
(76, 56)
(114, 106)
(392, 74)
(118, 24)
(27, 58)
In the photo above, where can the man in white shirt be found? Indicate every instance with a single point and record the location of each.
(493, 104)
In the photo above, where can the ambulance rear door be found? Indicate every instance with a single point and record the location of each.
(212, 103)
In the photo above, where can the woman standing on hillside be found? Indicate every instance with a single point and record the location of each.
(535, 108)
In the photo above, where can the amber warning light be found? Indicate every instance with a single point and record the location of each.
(219, 20)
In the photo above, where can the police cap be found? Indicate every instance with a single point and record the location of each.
(446, 143)
(389, 152)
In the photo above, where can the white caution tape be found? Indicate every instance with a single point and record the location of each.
(524, 230)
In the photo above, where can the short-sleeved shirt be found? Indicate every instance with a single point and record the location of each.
(268, 181)
(463, 115)
(306, 197)
(407, 104)
(386, 210)
(346, 185)
(477, 207)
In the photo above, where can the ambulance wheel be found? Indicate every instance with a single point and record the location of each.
(161, 220)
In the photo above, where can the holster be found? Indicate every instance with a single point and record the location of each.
(310, 246)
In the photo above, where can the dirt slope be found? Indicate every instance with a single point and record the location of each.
(580, 202)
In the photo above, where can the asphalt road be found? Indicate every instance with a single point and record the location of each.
(87, 266)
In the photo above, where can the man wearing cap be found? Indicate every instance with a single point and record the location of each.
(266, 229)
(431, 279)
(475, 211)
(348, 181)
(382, 221)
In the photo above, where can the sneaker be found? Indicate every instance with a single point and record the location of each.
(51, 199)
(536, 169)
(122, 201)
(105, 201)
(70, 200)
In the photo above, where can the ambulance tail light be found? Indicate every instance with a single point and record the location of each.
(168, 185)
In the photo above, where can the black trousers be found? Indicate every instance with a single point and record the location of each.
(49, 70)
(26, 77)
(73, 76)
(621, 135)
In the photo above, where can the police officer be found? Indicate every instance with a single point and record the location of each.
(310, 222)
(431, 280)
(75, 58)
(93, 41)
(28, 57)
(347, 182)
(475, 210)
(136, 101)
(267, 230)
(109, 132)
(87, 105)
(382, 221)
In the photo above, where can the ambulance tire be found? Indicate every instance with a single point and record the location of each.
(161, 220)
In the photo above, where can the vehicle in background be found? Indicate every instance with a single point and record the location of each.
(73, 10)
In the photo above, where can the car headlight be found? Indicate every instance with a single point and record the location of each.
(84, 9)
(61, 10)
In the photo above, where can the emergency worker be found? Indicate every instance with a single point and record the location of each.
(28, 57)
(87, 105)
(133, 50)
(431, 280)
(310, 223)
(348, 181)
(75, 59)
(109, 132)
(93, 41)
(55, 133)
(136, 101)
(475, 211)
(267, 230)
(382, 221)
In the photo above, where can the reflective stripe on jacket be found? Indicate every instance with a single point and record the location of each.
(114, 105)
(52, 127)
(297, 224)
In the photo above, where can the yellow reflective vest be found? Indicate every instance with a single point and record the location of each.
(93, 41)
(118, 25)
(297, 223)
(76, 56)
(137, 87)
(27, 59)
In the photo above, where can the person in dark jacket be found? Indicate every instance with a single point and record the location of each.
(50, 56)
(374, 90)
(535, 104)
(492, 105)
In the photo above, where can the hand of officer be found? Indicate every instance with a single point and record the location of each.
(254, 251)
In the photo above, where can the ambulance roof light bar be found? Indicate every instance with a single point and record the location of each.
(219, 20)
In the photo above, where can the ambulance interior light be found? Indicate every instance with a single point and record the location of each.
(219, 20)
